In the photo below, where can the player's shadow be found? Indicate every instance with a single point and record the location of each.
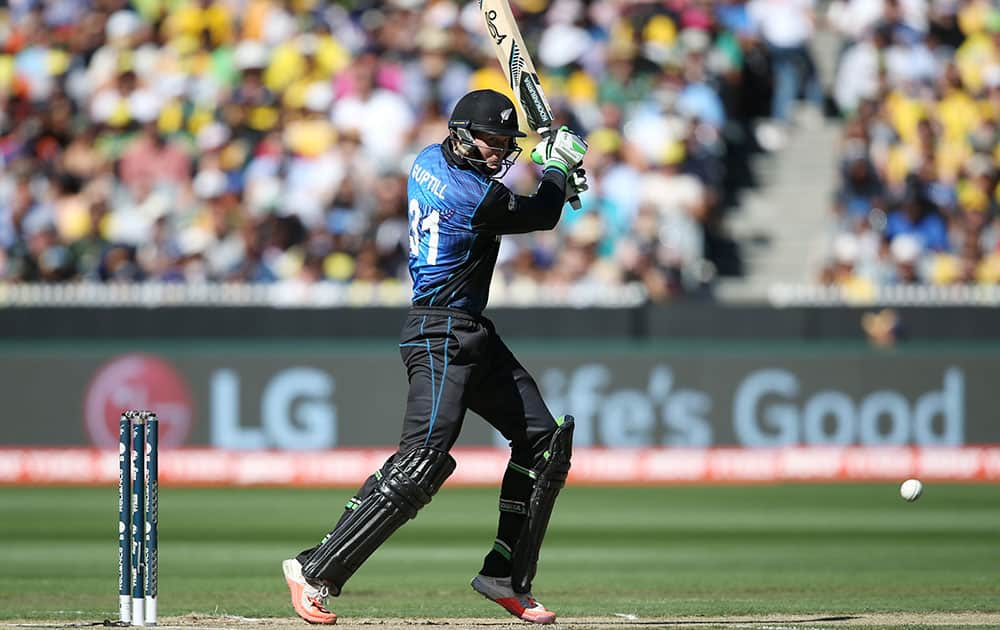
(625, 622)
(714, 622)
(628, 623)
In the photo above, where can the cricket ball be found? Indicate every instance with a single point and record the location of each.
(911, 489)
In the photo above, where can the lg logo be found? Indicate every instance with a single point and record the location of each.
(296, 411)
(296, 405)
(138, 381)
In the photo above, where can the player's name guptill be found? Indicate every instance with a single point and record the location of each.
(424, 178)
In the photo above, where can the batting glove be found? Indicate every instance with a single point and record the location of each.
(563, 150)
(577, 182)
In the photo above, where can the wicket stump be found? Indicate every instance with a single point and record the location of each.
(138, 516)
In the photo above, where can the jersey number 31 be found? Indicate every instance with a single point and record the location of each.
(421, 225)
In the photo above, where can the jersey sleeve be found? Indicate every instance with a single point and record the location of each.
(503, 212)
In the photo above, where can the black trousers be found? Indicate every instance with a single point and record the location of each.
(455, 362)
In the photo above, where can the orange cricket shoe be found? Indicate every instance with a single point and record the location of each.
(521, 605)
(309, 601)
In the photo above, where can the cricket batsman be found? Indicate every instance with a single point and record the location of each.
(455, 361)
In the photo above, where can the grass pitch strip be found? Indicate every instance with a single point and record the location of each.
(766, 557)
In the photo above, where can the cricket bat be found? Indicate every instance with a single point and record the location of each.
(519, 69)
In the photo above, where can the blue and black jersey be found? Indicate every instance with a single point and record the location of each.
(457, 217)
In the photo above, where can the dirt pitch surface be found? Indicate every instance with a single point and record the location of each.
(619, 621)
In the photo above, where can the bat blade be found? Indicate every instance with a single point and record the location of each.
(519, 69)
(517, 64)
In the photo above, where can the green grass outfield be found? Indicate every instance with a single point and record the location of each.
(659, 553)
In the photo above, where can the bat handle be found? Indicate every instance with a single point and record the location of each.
(574, 201)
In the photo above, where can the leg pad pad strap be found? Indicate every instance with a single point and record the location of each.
(550, 480)
(413, 479)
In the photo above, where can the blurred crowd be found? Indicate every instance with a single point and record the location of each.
(269, 140)
(919, 86)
